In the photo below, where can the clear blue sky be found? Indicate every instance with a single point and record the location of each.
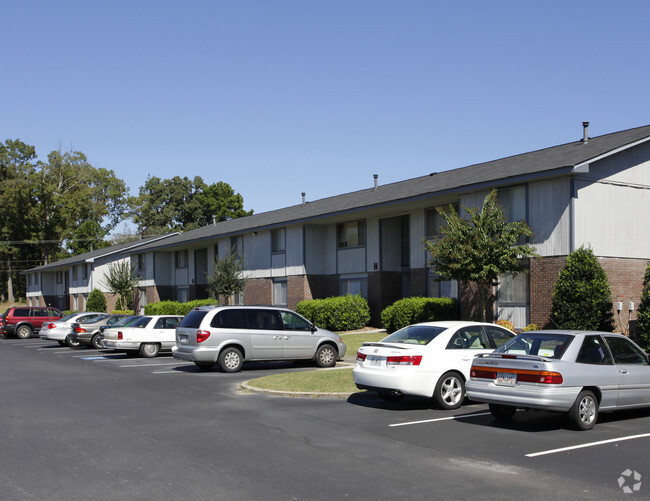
(278, 97)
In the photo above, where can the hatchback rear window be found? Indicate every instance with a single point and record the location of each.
(414, 334)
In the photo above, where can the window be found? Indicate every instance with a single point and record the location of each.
(513, 201)
(353, 285)
(36, 279)
(29, 280)
(436, 221)
(181, 259)
(141, 264)
(59, 277)
(278, 240)
(351, 234)
(84, 271)
(513, 288)
(182, 294)
(594, 352)
(237, 244)
(293, 322)
(74, 273)
(625, 352)
(264, 320)
(279, 292)
(230, 319)
(499, 336)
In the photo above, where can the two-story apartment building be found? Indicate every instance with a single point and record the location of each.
(592, 192)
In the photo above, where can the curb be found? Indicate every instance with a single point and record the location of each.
(294, 394)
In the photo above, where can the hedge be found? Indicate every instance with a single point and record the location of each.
(412, 310)
(176, 308)
(342, 313)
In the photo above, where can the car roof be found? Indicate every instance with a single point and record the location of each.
(453, 323)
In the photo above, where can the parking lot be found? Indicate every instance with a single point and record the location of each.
(87, 424)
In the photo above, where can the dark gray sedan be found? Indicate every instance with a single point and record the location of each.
(89, 333)
(577, 372)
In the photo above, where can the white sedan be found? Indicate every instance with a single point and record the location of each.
(60, 330)
(431, 359)
(146, 336)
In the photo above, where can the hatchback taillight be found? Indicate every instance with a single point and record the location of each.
(404, 360)
(202, 336)
(361, 356)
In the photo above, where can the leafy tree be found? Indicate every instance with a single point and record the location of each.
(643, 313)
(165, 205)
(582, 296)
(476, 248)
(96, 301)
(227, 277)
(121, 281)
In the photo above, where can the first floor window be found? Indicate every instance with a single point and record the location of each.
(353, 285)
(279, 293)
(181, 259)
(182, 294)
(513, 288)
(442, 288)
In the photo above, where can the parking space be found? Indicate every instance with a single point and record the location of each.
(534, 450)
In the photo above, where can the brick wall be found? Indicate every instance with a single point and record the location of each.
(544, 273)
(258, 292)
(419, 281)
(626, 281)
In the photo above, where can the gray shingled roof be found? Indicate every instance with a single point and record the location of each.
(94, 254)
(547, 162)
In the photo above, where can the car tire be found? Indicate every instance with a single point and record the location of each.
(204, 366)
(70, 343)
(449, 391)
(391, 396)
(230, 360)
(62, 343)
(149, 350)
(584, 412)
(24, 332)
(326, 356)
(95, 342)
(502, 412)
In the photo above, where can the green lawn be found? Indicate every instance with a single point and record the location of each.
(324, 380)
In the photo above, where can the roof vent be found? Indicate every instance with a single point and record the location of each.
(303, 198)
(376, 176)
(214, 220)
(585, 132)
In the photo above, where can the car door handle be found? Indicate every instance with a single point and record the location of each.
(623, 371)
(288, 338)
(279, 338)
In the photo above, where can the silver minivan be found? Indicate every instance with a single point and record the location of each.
(232, 335)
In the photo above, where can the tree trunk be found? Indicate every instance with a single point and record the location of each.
(10, 285)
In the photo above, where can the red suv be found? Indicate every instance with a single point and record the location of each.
(23, 321)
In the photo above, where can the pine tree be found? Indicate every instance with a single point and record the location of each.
(643, 313)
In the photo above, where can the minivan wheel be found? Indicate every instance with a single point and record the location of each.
(326, 356)
(149, 350)
(231, 360)
(23, 332)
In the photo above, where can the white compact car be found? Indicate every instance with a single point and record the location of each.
(60, 330)
(431, 359)
(146, 336)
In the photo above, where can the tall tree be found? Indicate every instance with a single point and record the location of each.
(476, 248)
(582, 297)
(174, 204)
(227, 277)
(121, 281)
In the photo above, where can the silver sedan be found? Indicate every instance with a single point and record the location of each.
(576, 372)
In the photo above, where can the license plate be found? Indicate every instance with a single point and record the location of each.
(183, 338)
(375, 361)
(506, 378)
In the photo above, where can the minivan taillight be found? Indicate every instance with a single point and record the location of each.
(202, 336)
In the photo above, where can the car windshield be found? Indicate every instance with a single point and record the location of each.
(542, 345)
(414, 334)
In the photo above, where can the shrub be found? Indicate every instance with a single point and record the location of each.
(413, 310)
(582, 297)
(96, 301)
(342, 313)
(643, 313)
(506, 323)
(123, 312)
(176, 308)
(531, 327)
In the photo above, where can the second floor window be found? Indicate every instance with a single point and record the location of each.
(436, 221)
(278, 239)
(351, 234)
(181, 259)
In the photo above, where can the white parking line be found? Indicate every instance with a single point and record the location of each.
(152, 365)
(60, 350)
(582, 446)
(463, 416)
(167, 372)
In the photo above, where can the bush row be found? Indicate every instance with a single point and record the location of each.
(412, 310)
(343, 313)
(176, 308)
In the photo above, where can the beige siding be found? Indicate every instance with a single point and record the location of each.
(549, 217)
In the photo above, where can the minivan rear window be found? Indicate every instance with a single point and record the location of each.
(193, 319)
(230, 319)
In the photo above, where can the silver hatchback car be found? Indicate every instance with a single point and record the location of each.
(231, 335)
(576, 372)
